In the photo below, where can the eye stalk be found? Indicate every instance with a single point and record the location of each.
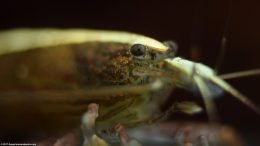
(138, 50)
(173, 47)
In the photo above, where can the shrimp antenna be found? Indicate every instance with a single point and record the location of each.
(222, 53)
(224, 85)
(223, 40)
(240, 74)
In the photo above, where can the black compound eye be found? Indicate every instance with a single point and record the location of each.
(138, 50)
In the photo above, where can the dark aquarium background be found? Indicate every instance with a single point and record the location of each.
(196, 25)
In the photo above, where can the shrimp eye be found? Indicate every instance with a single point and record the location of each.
(138, 50)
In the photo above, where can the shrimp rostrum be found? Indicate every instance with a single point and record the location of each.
(49, 76)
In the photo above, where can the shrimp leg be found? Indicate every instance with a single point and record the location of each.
(124, 138)
(88, 127)
(203, 140)
(208, 94)
(207, 97)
